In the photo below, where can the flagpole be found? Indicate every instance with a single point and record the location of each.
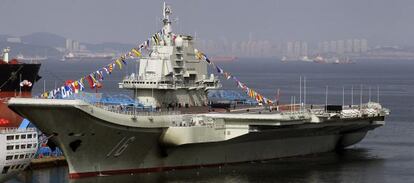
(294, 103)
(300, 92)
(343, 96)
(304, 91)
(352, 95)
(360, 98)
(369, 100)
(44, 85)
(378, 93)
(326, 98)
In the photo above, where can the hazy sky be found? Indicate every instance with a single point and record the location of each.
(131, 21)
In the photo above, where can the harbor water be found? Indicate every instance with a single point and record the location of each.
(385, 155)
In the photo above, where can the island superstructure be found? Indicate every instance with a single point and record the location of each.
(171, 75)
(179, 129)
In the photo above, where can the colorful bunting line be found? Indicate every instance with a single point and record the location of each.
(250, 92)
(96, 78)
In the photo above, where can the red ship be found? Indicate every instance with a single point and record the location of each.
(16, 80)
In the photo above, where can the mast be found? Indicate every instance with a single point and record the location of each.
(343, 96)
(352, 95)
(377, 93)
(300, 91)
(166, 29)
(326, 98)
(304, 91)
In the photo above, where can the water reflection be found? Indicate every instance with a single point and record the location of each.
(352, 165)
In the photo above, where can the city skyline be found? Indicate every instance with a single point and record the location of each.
(292, 49)
(97, 21)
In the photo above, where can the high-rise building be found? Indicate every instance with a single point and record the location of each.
(349, 46)
(340, 47)
(75, 46)
(364, 45)
(243, 48)
(320, 47)
(289, 49)
(357, 46)
(296, 49)
(234, 48)
(304, 49)
(69, 45)
(332, 47)
(325, 47)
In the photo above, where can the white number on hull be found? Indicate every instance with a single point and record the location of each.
(120, 147)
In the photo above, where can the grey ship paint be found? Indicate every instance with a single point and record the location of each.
(100, 140)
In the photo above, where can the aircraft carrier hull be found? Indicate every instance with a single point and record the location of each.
(94, 145)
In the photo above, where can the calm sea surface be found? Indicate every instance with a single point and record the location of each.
(385, 155)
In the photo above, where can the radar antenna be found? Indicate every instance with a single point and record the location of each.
(166, 20)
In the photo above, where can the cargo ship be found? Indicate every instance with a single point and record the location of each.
(81, 56)
(36, 58)
(333, 60)
(175, 126)
(16, 80)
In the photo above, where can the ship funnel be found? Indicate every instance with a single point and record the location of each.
(6, 54)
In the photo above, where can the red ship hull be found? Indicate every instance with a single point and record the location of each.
(16, 80)
(8, 118)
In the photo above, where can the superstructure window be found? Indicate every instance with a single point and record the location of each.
(34, 145)
(27, 156)
(17, 137)
(29, 145)
(34, 135)
(23, 146)
(29, 136)
(21, 156)
(10, 147)
(17, 147)
(10, 137)
(16, 156)
(24, 136)
(9, 157)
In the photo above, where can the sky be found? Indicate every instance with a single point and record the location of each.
(131, 21)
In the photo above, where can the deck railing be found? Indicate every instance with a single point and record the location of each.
(131, 110)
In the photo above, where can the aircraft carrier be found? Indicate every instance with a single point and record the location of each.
(182, 129)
